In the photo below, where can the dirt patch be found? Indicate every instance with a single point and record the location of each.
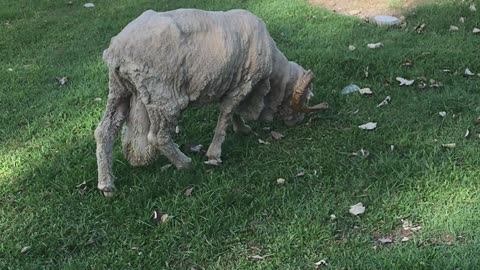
(368, 8)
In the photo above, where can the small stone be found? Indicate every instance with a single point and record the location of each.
(384, 20)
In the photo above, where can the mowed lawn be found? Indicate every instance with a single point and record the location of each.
(238, 210)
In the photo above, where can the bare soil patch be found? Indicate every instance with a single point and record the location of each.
(368, 8)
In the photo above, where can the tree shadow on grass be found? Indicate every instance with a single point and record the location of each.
(240, 201)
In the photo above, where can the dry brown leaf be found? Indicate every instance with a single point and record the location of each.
(385, 240)
(62, 80)
(405, 81)
(276, 135)
(25, 250)
(453, 28)
(188, 192)
(357, 209)
(407, 63)
(255, 257)
(468, 72)
(365, 91)
(449, 145)
(374, 45)
(386, 101)
(260, 141)
(419, 28)
(159, 217)
(321, 263)
(368, 126)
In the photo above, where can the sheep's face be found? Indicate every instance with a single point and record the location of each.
(295, 105)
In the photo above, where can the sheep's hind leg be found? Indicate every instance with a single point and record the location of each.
(239, 125)
(159, 136)
(105, 133)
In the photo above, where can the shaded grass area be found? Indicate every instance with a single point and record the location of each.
(47, 148)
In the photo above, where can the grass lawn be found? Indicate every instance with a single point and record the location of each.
(47, 148)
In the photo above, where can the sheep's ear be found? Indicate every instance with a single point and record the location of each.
(299, 91)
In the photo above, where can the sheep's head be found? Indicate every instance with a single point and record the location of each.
(296, 105)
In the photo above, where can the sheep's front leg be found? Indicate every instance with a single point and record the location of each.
(227, 107)
(215, 150)
(105, 133)
(239, 125)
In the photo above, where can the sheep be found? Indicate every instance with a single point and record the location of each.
(163, 62)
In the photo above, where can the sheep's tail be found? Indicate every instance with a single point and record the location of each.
(136, 148)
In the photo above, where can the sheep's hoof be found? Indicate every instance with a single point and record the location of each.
(213, 161)
(106, 188)
(108, 194)
(243, 130)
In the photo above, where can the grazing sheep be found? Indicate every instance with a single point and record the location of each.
(162, 62)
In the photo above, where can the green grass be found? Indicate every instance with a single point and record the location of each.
(47, 148)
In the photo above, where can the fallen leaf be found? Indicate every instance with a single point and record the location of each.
(89, 5)
(472, 7)
(385, 240)
(449, 145)
(81, 185)
(25, 250)
(422, 85)
(467, 133)
(280, 181)
(263, 142)
(196, 148)
(318, 264)
(368, 126)
(300, 174)
(276, 135)
(361, 153)
(351, 48)
(442, 114)
(385, 101)
(357, 209)
(365, 91)
(62, 80)
(453, 28)
(255, 257)
(476, 30)
(405, 81)
(254, 246)
(419, 28)
(374, 45)
(159, 217)
(435, 84)
(165, 167)
(188, 192)
(407, 63)
(468, 72)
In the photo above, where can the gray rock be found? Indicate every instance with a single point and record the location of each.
(386, 20)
